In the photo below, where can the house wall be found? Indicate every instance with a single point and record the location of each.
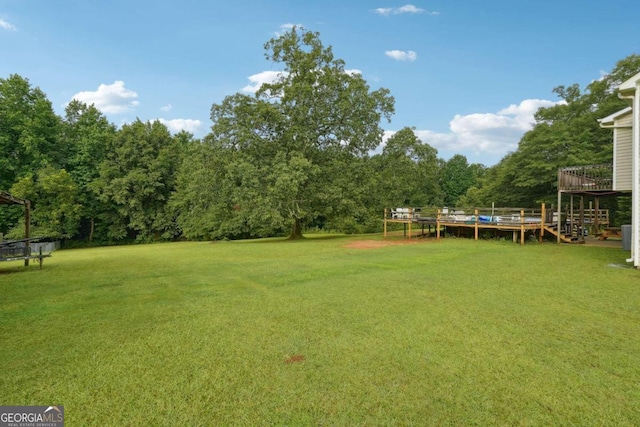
(622, 149)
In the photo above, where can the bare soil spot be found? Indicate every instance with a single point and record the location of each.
(375, 244)
(294, 359)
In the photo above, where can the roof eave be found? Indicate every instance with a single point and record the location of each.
(610, 119)
(628, 87)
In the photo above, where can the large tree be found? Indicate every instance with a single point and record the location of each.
(29, 137)
(456, 177)
(29, 131)
(296, 141)
(87, 134)
(407, 172)
(136, 179)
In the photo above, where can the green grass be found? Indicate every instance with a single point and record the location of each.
(450, 333)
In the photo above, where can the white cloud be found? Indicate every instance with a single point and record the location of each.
(288, 26)
(489, 135)
(259, 79)
(353, 72)
(383, 11)
(5, 25)
(166, 108)
(401, 55)
(113, 98)
(177, 125)
(407, 8)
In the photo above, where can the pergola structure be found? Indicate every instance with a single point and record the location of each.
(8, 199)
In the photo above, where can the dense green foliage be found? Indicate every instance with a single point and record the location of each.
(408, 172)
(292, 150)
(135, 181)
(302, 152)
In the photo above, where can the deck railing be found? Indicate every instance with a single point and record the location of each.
(586, 178)
(467, 216)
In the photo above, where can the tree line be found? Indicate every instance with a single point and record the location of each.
(295, 155)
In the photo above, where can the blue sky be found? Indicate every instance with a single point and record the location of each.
(467, 74)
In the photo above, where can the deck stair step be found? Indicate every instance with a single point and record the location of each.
(564, 238)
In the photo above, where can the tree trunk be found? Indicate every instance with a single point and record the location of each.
(91, 230)
(296, 230)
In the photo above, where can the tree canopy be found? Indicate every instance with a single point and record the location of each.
(294, 143)
(304, 151)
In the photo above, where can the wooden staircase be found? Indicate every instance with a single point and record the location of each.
(553, 229)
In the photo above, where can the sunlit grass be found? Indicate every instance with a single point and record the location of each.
(313, 332)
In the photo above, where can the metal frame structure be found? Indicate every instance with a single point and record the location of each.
(8, 199)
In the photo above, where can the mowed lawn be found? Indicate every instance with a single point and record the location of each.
(316, 332)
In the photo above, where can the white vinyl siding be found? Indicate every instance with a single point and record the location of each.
(625, 120)
(622, 157)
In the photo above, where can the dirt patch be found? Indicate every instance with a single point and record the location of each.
(375, 244)
(295, 359)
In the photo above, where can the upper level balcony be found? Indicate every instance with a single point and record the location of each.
(586, 179)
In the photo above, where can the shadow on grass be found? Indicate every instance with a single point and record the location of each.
(18, 269)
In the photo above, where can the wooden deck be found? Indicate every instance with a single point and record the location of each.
(573, 226)
(515, 220)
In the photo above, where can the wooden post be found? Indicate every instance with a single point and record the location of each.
(410, 221)
(475, 212)
(522, 226)
(543, 218)
(384, 233)
(571, 216)
(596, 219)
(438, 225)
(558, 217)
(27, 229)
(581, 218)
(559, 213)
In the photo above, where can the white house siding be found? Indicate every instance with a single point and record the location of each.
(625, 120)
(623, 138)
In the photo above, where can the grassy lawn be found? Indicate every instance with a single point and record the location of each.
(318, 333)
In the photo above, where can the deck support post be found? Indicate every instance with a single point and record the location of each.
(384, 227)
(475, 212)
(596, 218)
(559, 213)
(522, 226)
(543, 219)
(581, 228)
(571, 217)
